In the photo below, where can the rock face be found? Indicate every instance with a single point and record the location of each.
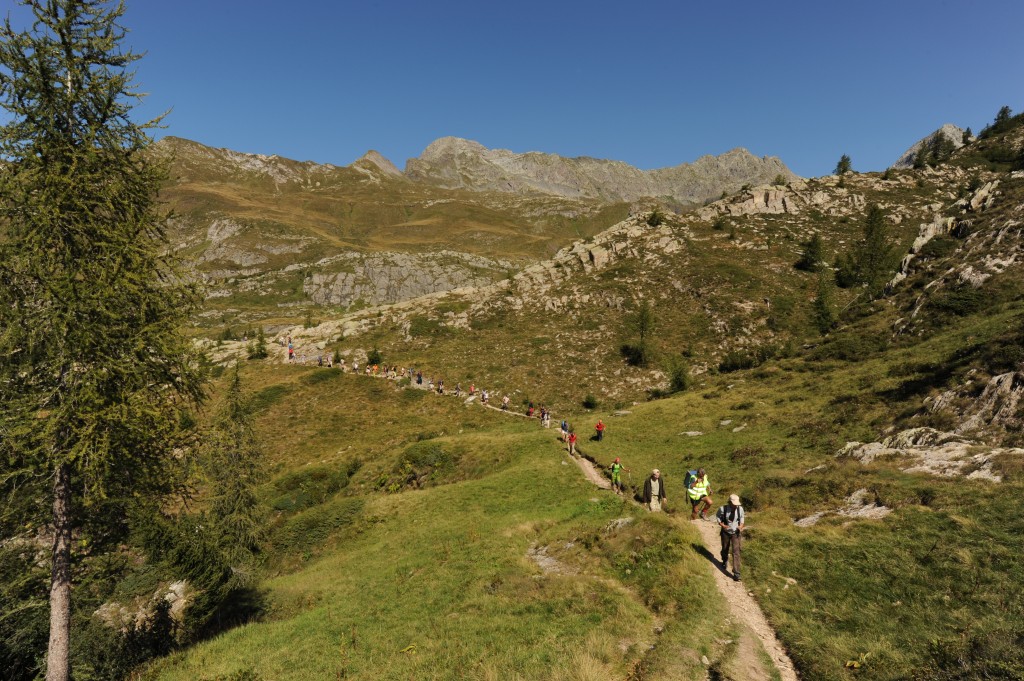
(951, 132)
(925, 450)
(375, 160)
(463, 164)
(384, 278)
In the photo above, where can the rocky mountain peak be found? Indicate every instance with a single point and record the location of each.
(379, 161)
(447, 147)
(953, 133)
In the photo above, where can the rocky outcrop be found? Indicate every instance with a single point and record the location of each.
(463, 164)
(861, 505)
(1000, 407)
(384, 278)
(949, 131)
(926, 450)
(793, 198)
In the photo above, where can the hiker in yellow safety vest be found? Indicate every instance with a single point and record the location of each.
(699, 491)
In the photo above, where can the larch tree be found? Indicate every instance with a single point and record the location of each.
(95, 374)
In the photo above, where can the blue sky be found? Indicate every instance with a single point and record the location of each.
(651, 83)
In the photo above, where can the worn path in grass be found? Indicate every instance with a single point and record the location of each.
(742, 605)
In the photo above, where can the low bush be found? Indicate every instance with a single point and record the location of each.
(958, 301)
(267, 397)
(313, 527)
(849, 348)
(310, 486)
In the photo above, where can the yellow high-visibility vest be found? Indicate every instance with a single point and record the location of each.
(699, 489)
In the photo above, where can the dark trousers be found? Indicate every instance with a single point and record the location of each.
(731, 542)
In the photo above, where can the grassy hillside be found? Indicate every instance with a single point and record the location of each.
(411, 535)
(903, 575)
(438, 582)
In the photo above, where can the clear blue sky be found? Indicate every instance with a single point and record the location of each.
(651, 83)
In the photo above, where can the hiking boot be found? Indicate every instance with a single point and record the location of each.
(735, 576)
(703, 515)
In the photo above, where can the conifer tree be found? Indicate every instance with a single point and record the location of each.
(94, 373)
(234, 463)
(843, 166)
(871, 259)
(642, 323)
(812, 258)
(824, 313)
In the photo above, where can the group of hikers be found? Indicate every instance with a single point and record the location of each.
(730, 517)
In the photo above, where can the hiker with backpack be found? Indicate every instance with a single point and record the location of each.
(616, 469)
(600, 430)
(731, 520)
(654, 491)
(698, 488)
(572, 443)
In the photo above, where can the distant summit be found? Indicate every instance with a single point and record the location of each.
(456, 163)
(378, 161)
(954, 134)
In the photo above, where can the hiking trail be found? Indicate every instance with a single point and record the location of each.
(591, 474)
(743, 606)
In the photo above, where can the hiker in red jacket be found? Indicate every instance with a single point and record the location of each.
(572, 443)
(600, 430)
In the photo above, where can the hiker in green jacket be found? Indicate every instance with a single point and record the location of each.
(616, 469)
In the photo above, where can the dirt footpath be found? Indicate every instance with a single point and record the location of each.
(745, 610)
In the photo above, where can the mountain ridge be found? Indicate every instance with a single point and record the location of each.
(454, 162)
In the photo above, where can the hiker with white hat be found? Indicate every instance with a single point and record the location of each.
(654, 491)
(730, 519)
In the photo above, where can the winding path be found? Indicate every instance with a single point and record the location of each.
(742, 605)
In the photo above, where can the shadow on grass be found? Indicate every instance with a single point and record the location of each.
(243, 605)
(713, 559)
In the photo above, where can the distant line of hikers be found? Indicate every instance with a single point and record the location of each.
(698, 488)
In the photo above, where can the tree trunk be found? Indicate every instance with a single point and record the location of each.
(59, 651)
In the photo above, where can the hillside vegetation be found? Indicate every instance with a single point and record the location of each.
(866, 409)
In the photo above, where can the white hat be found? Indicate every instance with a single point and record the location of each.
(734, 499)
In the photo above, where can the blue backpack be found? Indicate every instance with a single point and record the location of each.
(688, 478)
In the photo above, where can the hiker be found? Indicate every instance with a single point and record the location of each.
(472, 388)
(355, 367)
(565, 430)
(504, 403)
(458, 390)
(730, 519)
(699, 490)
(419, 378)
(529, 410)
(616, 469)
(484, 396)
(342, 365)
(291, 351)
(600, 430)
(572, 443)
(654, 491)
